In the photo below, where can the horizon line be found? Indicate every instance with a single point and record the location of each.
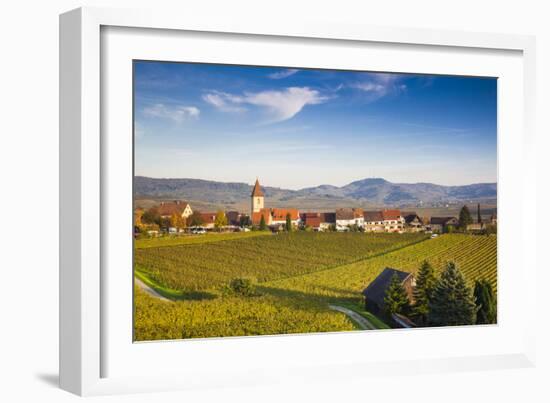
(322, 184)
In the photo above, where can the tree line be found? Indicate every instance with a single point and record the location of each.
(152, 218)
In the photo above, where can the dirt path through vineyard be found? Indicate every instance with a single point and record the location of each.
(363, 322)
(149, 290)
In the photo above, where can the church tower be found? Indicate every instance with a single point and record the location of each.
(257, 198)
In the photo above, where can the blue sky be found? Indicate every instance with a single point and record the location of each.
(296, 128)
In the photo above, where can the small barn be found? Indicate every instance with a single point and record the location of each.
(376, 291)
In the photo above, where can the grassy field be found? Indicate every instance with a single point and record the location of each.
(298, 276)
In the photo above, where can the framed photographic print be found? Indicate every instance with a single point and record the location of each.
(249, 197)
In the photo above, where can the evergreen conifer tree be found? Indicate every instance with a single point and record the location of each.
(486, 302)
(422, 293)
(464, 218)
(452, 302)
(478, 214)
(263, 225)
(288, 222)
(396, 299)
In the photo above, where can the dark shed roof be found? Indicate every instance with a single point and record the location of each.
(410, 217)
(376, 290)
(442, 220)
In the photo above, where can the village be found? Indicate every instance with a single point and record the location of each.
(398, 297)
(179, 217)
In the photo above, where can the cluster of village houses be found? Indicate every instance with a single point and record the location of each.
(342, 219)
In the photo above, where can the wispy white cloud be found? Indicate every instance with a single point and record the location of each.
(279, 105)
(223, 101)
(283, 105)
(176, 113)
(283, 74)
(370, 86)
(380, 84)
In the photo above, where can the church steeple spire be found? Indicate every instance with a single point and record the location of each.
(256, 198)
(257, 191)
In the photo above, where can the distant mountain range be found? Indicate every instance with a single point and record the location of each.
(365, 192)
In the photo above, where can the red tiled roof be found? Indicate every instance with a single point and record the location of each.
(257, 191)
(208, 218)
(175, 207)
(279, 214)
(311, 219)
(257, 217)
(391, 214)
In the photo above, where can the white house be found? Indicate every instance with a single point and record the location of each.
(393, 221)
(167, 209)
(374, 221)
(278, 216)
(346, 217)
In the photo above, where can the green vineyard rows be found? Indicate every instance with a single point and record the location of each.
(214, 264)
(474, 255)
(294, 299)
(195, 239)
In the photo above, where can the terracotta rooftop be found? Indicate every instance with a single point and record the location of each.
(208, 218)
(169, 208)
(311, 219)
(391, 214)
(257, 217)
(279, 214)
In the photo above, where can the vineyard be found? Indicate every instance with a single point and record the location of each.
(474, 255)
(263, 258)
(305, 273)
(231, 316)
(194, 239)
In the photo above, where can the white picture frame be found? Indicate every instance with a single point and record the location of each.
(87, 320)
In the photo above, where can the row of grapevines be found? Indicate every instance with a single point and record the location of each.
(211, 265)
